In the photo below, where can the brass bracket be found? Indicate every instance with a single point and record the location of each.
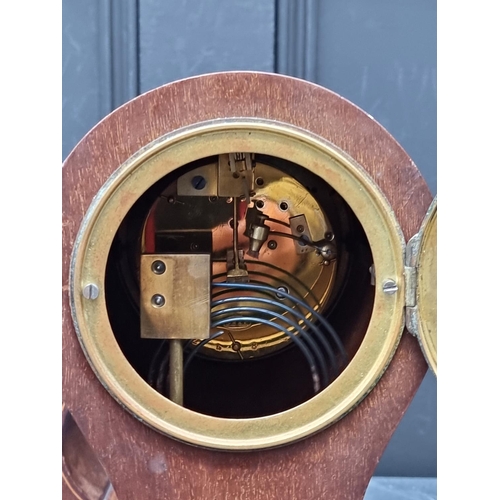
(175, 296)
(235, 175)
(300, 228)
(201, 181)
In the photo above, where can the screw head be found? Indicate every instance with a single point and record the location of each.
(90, 291)
(158, 267)
(272, 244)
(198, 182)
(300, 228)
(281, 289)
(236, 346)
(390, 287)
(158, 300)
(329, 236)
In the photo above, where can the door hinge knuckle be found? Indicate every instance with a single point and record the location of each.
(411, 285)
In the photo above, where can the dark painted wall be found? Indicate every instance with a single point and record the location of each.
(177, 40)
(380, 54)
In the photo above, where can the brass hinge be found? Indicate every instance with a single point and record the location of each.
(411, 284)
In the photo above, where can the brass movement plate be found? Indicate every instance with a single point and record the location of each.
(298, 271)
(172, 287)
(165, 155)
(427, 287)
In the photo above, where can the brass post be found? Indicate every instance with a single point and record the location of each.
(176, 372)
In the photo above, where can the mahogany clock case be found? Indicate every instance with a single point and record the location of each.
(138, 458)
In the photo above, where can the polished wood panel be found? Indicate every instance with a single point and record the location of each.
(338, 462)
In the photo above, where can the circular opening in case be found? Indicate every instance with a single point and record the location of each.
(280, 332)
(273, 247)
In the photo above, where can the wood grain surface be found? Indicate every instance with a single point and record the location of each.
(338, 462)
